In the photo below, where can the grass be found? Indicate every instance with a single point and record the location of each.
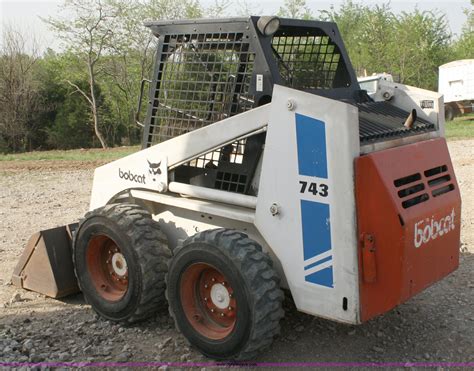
(93, 154)
(460, 127)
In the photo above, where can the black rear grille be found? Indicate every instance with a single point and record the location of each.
(411, 188)
(439, 180)
(383, 121)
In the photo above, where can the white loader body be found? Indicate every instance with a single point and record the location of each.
(318, 265)
(352, 198)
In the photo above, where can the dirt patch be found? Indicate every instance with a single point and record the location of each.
(437, 325)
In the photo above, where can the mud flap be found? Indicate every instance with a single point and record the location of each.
(46, 263)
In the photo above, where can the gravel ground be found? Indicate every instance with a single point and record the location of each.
(437, 325)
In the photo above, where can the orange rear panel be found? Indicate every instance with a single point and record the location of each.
(409, 218)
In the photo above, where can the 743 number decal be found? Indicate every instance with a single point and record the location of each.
(316, 189)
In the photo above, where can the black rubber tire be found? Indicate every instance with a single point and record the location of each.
(145, 249)
(255, 284)
(448, 112)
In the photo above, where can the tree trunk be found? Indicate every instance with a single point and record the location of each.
(94, 108)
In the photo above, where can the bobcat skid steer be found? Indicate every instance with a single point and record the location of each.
(264, 167)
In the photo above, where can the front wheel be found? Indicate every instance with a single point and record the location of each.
(120, 258)
(224, 294)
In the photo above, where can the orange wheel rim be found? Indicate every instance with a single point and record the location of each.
(208, 301)
(107, 267)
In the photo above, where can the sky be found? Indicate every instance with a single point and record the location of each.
(25, 14)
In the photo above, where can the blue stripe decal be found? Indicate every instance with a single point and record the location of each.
(311, 144)
(318, 262)
(316, 228)
(323, 277)
(315, 218)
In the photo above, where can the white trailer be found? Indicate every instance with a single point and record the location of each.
(456, 83)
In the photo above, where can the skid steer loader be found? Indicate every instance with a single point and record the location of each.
(264, 167)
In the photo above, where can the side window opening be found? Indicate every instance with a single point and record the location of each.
(309, 60)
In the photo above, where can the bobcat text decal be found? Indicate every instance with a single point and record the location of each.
(430, 229)
(128, 175)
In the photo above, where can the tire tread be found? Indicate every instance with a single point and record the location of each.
(150, 246)
(259, 275)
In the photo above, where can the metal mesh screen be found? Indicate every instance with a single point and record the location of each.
(232, 153)
(308, 62)
(203, 78)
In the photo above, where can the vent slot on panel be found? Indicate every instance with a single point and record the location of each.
(436, 170)
(411, 190)
(439, 180)
(410, 187)
(407, 179)
(415, 200)
(439, 191)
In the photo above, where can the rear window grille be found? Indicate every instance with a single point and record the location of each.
(203, 78)
(231, 182)
(411, 187)
(309, 61)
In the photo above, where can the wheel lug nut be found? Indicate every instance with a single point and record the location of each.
(223, 283)
(205, 286)
(205, 299)
(213, 280)
(230, 308)
(212, 310)
(222, 314)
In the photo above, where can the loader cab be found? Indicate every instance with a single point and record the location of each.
(208, 70)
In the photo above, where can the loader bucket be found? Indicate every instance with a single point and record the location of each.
(46, 263)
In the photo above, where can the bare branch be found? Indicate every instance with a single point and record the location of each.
(79, 90)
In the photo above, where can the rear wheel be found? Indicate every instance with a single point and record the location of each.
(120, 257)
(224, 294)
(448, 112)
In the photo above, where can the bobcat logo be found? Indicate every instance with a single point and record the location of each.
(154, 169)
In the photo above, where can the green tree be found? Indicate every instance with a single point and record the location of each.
(367, 34)
(71, 126)
(421, 46)
(19, 90)
(66, 121)
(464, 47)
(295, 9)
(130, 59)
(88, 34)
(410, 46)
